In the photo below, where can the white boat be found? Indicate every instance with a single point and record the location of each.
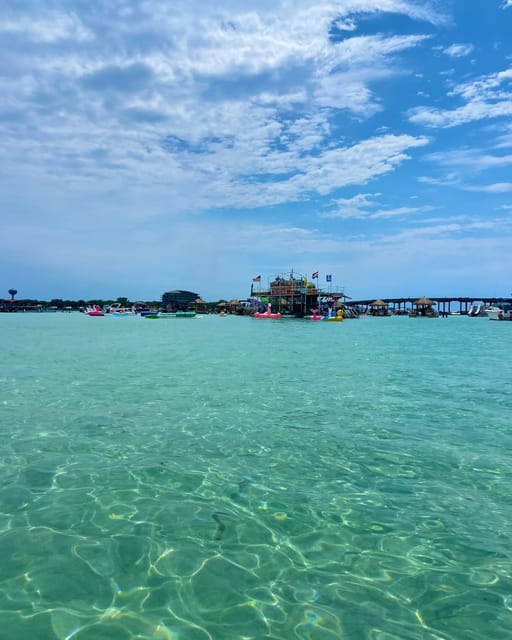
(169, 314)
(500, 312)
(476, 310)
(117, 311)
(483, 311)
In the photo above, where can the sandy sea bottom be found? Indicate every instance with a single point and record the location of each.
(229, 478)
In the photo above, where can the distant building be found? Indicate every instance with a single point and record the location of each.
(179, 300)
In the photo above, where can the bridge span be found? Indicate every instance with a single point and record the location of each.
(444, 304)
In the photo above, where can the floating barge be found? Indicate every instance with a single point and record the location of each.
(295, 296)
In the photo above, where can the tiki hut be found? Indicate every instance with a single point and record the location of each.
(423, 308)
(233, 305)
(200, 305)
(378, 308)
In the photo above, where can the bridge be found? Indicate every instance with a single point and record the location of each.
(444, 304)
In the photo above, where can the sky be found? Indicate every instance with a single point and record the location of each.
(147, 146)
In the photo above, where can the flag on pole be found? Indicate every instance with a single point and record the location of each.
(257, 279)
(328, 278)
(315, 275)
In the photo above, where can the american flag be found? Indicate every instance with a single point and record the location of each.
(315, 275)
(257, 279)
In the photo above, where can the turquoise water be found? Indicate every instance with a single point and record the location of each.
(231, 478)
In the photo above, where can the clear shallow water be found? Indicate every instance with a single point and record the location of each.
(229, 478)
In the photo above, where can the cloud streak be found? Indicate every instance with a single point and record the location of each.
(483, 99)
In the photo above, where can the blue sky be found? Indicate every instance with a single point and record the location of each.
(148, 145)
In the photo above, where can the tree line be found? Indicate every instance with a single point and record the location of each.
(61, 304)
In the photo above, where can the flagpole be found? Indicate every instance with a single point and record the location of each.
(291, 280)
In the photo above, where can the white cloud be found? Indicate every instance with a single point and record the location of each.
(398, 212)
(355, 207)
(484, 99)
(504, 139)
(463, 168)
(473, 158)
(346, 24)
(459, 50)
(498, 187)
(364, 206)
(485, 88)
(449, 180)
(461, 182)
(346, 91)
(54, 26)
(371, 49)
(233, 106)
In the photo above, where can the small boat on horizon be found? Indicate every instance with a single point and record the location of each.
(478, 311)
(171, 314)
(94, 310)
(335, 317)
(315, 315)
(117, 311)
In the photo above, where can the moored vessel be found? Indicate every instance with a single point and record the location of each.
(500, 312)
(171, 314)
(268, 314)
(94, 310)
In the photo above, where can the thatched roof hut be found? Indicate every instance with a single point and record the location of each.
(423, 307)
(200, 304)
(424, 302)
(378, 308)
